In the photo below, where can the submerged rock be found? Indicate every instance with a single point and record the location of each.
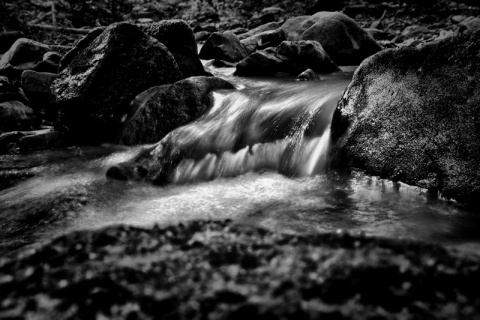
(221, 270)
(290, 57)
(413, 115)
(308, 75)
(342, 38)
(159, 110)
(223, 46)
(95, 89)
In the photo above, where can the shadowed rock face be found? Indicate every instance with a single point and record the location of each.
(218, 270)
(223, 46)
(95, 89)
(342, 38)
(159, 110)
(413, 115)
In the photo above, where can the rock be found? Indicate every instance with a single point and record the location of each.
(327, 5)
(24, 54)
(263, 40)
(378, 34)
(223, 46)
(308, 75)
(269, 14)
(342, 38)
(81, 45)
(10, 92)
(471, 23)
(415, 31)
(53, 57)
(159, 110)
(14, 116)
(412, 115)
(95, 89)
(9, 139)
(262, 28)
(290, 57)
(202, 35)
(36, 86)
(177, 36)
(41, 140)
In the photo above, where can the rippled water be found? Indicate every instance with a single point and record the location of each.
(70, 192)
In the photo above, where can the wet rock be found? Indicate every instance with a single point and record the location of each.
(9, 140)
(10, 92)
(36, 86)
(263, 40)
(221, 270)
(308, 75)
(177, 36)
(342, 38)
(412, 115)
(202, 35)
(262, 28)
(24, 54)
(223, 46)
(290, 57)
(470, 23)
(161, 109)
(41, 140)
(14, 115)
(95, 89)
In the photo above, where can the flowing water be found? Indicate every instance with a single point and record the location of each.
(260, 158)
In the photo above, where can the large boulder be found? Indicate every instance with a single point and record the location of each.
(14, 115)
(342, 38)
(177, 36)
(290, 57)
(262, 28)
(159, 110)
(94, 91)
(223, 46)
(413, 115)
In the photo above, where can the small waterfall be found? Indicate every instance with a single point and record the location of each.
(278, 128)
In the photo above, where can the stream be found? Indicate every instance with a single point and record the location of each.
(280, 183)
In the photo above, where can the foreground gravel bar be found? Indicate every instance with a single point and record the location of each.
(220, 270)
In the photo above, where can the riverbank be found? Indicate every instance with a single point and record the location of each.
(219, 270)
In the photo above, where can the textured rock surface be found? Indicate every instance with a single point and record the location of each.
(223, 46)
(177, 36)
(14, 115)
(260, 29)
(216, 270)
(161, 109)
(342, 38)
(262, 40)
(413, 115)
(94, 91)
(290, 57)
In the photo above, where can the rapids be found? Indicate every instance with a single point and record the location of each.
(258, 156)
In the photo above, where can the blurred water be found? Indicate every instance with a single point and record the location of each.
(70, 192)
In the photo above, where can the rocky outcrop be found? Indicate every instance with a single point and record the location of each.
(95, 89)
(14, 115)
(342, 38)
(161, 109)
(221, 270)
(223, 46)
(413, 115)
(290, 57)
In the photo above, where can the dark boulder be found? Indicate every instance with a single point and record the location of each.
(342, 38)
(413, 115)
(177, 36)
(95, 89)
(11, 92)
(159, 110)
(14, 115)
(263, 40)
(36, 86)
(223, 46)
(308, 75)
(290, 57)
